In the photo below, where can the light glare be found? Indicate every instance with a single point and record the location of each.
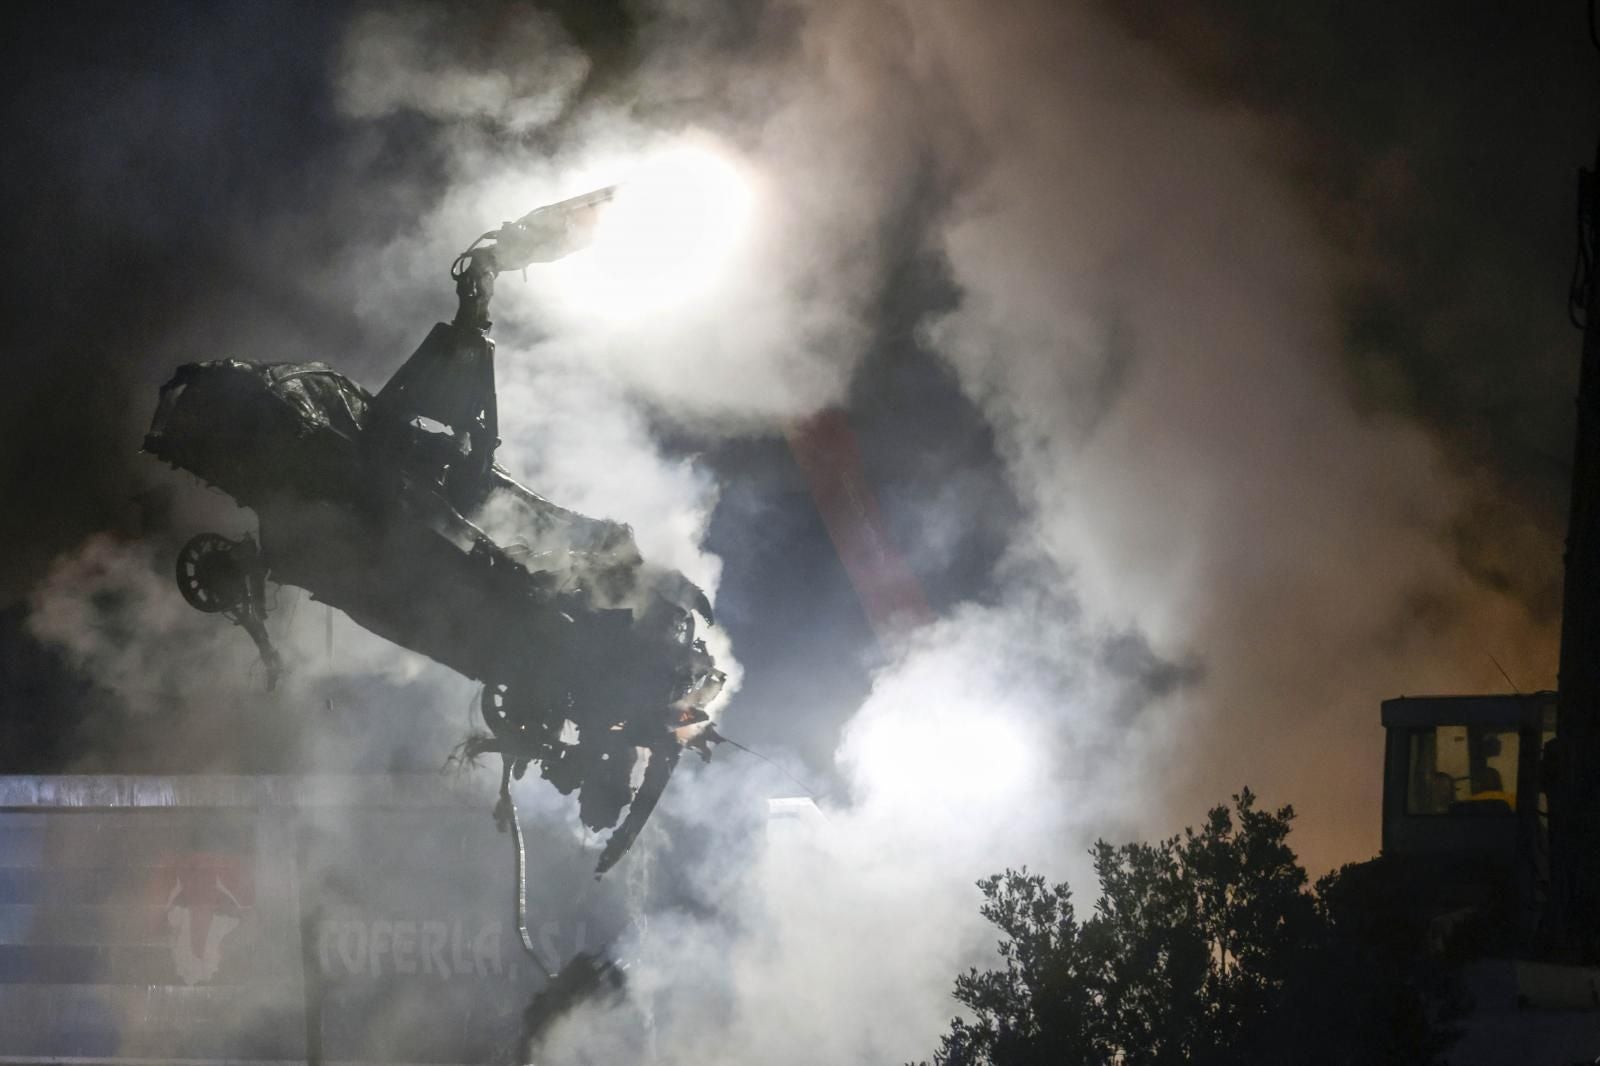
(971, 766)
(666, 239)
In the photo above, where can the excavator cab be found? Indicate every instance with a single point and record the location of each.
(1465, 808)
(1461, 773)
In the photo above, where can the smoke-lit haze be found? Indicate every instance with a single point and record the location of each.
(1219, 545)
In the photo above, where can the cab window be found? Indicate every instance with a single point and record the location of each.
(1457, 769)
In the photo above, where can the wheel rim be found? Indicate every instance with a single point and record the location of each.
(209, 577)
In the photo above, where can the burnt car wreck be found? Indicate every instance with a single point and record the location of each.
(390, 507)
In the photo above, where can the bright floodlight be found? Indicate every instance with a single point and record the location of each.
(666, 238)
(926, 759)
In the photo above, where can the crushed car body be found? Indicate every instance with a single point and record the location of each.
(391, 509)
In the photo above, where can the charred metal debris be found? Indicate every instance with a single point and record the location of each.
(392, 509)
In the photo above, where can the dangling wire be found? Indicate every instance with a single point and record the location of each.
(807, 789)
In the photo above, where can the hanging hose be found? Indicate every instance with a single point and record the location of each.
(507, 812)
(506, 816)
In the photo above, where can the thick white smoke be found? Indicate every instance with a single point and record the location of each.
(417, 58)
(1146, 319)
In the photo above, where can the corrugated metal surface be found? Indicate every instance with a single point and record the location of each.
(215, 919)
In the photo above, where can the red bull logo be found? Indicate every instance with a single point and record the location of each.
(204, 898)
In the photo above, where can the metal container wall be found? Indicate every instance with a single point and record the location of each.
(263, 919)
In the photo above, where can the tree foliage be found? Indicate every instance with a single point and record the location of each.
(1206, 948)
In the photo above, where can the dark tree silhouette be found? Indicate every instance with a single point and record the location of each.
(1207, 948)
